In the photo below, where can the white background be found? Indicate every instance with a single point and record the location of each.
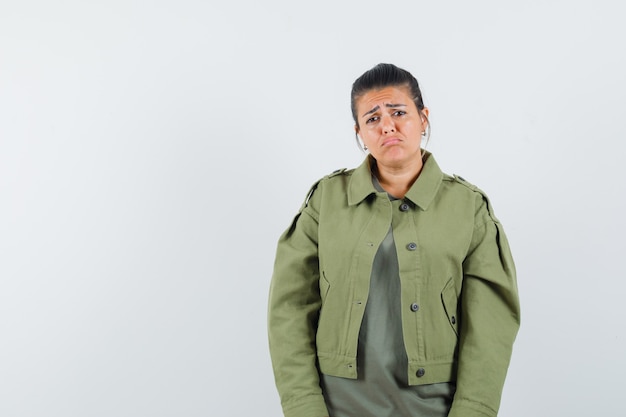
(151, 153)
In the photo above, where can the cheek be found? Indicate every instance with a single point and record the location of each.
(367, 137)
(414, 127)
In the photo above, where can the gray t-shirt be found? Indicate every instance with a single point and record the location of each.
(381, 389)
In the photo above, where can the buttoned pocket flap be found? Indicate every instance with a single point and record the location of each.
(450, 302)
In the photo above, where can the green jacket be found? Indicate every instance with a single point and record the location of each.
(460, 307)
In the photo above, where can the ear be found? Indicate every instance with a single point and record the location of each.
(425, 113)
(356, 129)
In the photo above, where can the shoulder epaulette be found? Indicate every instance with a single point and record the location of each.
(336, 172)
(463, 181)
(472, 187)
(314, 186)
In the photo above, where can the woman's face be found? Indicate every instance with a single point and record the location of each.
(391, 126)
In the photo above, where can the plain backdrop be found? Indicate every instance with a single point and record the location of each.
(151, 153)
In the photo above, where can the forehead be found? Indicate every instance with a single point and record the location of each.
(386, 95)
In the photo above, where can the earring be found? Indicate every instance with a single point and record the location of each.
(360, 142)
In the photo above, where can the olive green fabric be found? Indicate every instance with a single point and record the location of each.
(381, 389)
(459, 302)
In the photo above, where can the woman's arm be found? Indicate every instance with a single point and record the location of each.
(294, 305)
(490, 318)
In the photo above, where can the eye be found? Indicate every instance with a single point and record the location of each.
(399, 113)
(372, 120)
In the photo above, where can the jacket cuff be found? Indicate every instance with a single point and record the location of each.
(469, 408)
(312, 406)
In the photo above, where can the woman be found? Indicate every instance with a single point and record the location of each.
(394, 290)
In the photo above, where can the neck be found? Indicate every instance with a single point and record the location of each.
(398, 180)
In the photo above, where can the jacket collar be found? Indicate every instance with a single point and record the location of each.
(421, 193)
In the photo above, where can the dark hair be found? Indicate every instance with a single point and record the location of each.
(381, 76)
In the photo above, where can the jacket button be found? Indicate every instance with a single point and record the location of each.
(415, 307)
(404, 207)
(411, 246)
(420, 372)
(453, 320)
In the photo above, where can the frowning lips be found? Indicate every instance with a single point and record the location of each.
(391, 141)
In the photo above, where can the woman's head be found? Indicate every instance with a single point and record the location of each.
(381, 76)
(389, 115)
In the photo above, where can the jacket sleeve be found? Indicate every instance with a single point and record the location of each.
(490, 317)
(293, 311)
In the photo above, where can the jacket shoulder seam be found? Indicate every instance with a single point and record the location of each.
(473, 188)
(335, 173)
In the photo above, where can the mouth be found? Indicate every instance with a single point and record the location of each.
(390, 141)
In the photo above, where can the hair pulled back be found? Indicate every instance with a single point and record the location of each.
(381, 76)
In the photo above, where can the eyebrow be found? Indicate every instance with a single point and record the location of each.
(375, 109)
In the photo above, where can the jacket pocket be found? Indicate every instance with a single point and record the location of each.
(324, 286)
(450, 302)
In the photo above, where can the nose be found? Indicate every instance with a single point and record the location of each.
(387, 125)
